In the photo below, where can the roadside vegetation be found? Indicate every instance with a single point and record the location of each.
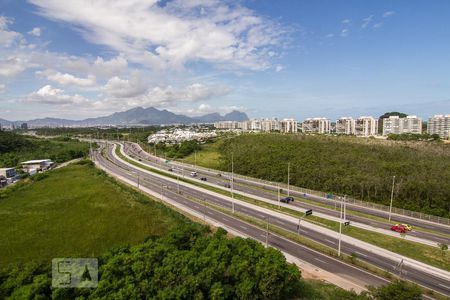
(15, 148)
(360, 168)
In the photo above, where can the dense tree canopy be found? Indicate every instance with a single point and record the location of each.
(361, 168)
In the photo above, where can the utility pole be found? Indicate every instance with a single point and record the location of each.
(279, 198)
(392, 197)
(232, 180)
(195, 160)
(288, 180)
(340, 231)
(345, 207)
(178, 182)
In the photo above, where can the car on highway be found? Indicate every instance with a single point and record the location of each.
(227, 185)
(194, 174)
(399, 228)
(287, 199)
(170, 170)
(203, 179)
(407, 227)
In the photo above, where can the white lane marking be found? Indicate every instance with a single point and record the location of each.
(279, 222)
(243, 227)
(359, 253)
(330, 241)
(318, 259)
(196, 206)
(263, 235)
(225, 219)
(209, 212)
(445, 286)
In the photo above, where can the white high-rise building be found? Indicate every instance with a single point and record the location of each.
(439, 124)
(345, 125)
(289, 126)
(397, 125)
(316, 125)
(366, 126)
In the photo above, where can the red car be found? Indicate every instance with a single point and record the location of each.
(399, 228)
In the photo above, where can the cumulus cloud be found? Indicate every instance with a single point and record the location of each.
(174, 34)
(8, 37)
(52, 96)
(81, 67)
(67, 79)
(12, 66)
(125, 88)
(36, 31)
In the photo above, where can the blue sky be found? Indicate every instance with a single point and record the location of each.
(82, 58)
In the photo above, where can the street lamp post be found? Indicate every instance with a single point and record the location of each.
(392, 197)
(288, 179)
(340, 230)
(232, 182)
(279, 197)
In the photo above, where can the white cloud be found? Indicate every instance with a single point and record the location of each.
(378, 25)
(330, 35)
(367, 21)
(67, 79)
(279, 68)
(8, 37)
(204, 109)
(344, 32)
(126, 88)
(388, 13)
(174, 34)
(52, 96)
(346, 21)
(2, 88)
(11, 66)
(36, 31)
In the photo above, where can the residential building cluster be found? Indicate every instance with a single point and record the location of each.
(264, 125)
(9, 175)
(364, 126)
(176, 136)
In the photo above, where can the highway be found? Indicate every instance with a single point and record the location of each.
(441, 285)
(240, 186)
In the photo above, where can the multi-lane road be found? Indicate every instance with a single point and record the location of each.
(269, 192)
(158, 184)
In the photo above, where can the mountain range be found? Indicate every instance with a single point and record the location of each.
(134, 116)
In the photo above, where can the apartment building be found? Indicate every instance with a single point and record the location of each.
(289, 126)
(397, 125)
(227, 125)
(345, 125)
(316, 125)
(439, 124)
(366, 126)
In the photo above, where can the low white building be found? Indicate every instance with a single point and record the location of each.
(178, 136)
(33, 166)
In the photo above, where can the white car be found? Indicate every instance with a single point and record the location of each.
(194, 174)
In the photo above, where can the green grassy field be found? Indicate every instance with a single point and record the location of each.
(76, 211)
(208, 157)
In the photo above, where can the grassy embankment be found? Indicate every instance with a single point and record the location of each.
(427, 254)
(76, 211)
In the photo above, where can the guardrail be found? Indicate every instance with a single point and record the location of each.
(381, 207)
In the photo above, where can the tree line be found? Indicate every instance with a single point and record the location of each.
(350, 166)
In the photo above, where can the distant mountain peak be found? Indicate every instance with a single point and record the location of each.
(134, 116)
